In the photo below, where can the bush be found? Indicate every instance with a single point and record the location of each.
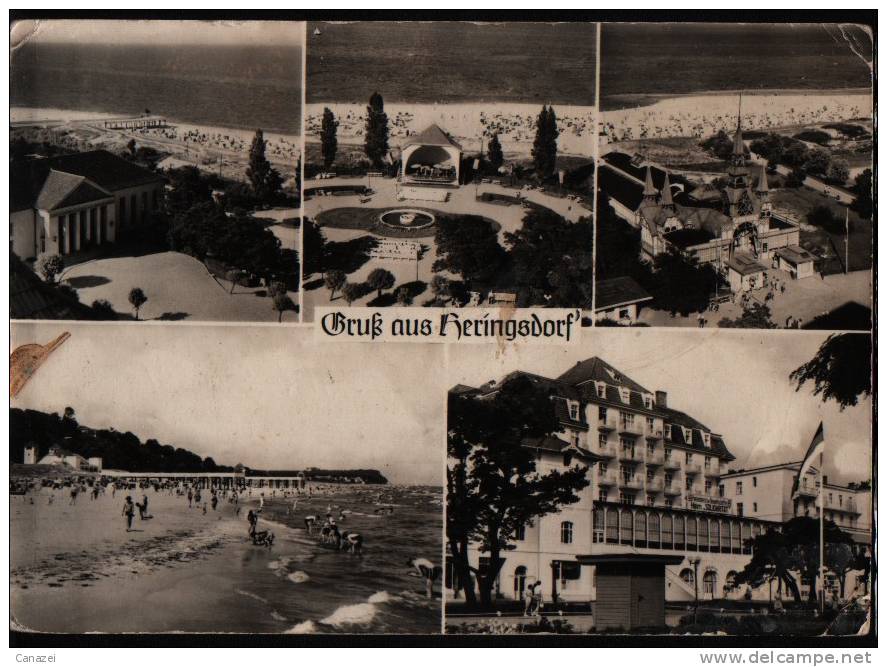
(50, 266)
(104, 310)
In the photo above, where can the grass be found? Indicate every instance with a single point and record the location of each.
(367, 219)
(801, 201)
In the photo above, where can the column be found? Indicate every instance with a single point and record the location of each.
(75, 232)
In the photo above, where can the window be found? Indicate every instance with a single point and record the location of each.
(602, 414)
(688, 435)
(650, 500)
(574, 410)
(601, 390)
(754, 508)
(710, 583)
(602, 495)
(688, 458)
(651, 424)
(688, 483)
(754, 482)
(738, 488)
(707, 487)
(669, 478)
(574, 438)
(650, 474)
(668, 455)
(830, 498)
(648, 402)
(739, 509)
(720, 490)
(624, 394)
(567, 570)
(566, 532)
(687, 576)
(708, 463)
(626, 498)
(602, 468)
(627, 419)
(840, 501)
(706, 438)
(623, 314)
(520, 534)
(669, 502)
(568, 459)
(602, 440)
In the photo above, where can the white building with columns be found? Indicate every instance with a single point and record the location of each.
(71, 203)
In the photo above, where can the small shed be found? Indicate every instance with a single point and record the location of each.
(630, 589)
(744, 273)
(796, 260)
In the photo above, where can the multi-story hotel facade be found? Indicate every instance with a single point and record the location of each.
(660, 485)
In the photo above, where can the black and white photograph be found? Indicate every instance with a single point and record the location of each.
(160, 484)
(155, 170)
(449, 164)
(680, 483)
(735, 176)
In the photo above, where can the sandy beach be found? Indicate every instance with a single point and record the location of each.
(704, 114)
(186, 143)
(74, 568)
(467, 123)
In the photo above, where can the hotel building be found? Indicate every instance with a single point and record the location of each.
(660, 485)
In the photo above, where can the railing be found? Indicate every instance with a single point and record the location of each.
(629, 428)
(630, 455)
(808, 489)
(606, 479)
(654, 458)
(655, 434)
(607, 425)
(692, 468)
(607, 451)
(630, 482)
(671, 463)
(655, 485)
(713, 471)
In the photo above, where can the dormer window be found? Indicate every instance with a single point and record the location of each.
(648, 401)
(573, 407)
(601, 389)
(706, 438)
(688, 435)
(624, 394)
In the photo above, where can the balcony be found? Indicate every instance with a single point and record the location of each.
(607, 478)
(713, 471)
(653, 458)
(607, 451)
(655, 485)
(630, 429)
(605, 426)
(849, 505)
(654, 435)
(692, 468)
(809, 489)
(628, 454)
(671, 463)
(631, 482)
(672, 489)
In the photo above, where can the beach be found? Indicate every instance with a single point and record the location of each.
(74, 568)
(704, 114)
(467, 123)
(206, 146)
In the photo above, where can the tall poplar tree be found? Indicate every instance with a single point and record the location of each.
(376, 139)
(329, 144)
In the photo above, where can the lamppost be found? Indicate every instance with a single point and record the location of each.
(695, 563)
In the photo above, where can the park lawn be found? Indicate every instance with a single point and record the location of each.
(366, 219)
(801, 201)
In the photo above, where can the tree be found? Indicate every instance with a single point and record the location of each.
(264, 179)
(104, 310)
(719, 145)
(494, 153)
(380, 279)
(681, 285)
(137, 299)
(234, 276)
(796, 178)
(376, 139)
(755, 316)
(313, 247)
(282, 302)
(863, 203)
(70, 414)
(468, 245)
(329, 144)
(50, 266)
(493, 485)
(351, 292)
(839, 172)
(795, 154)
(552, 259)
(334, 280)
(440, 286)
(131, 147)
(259, 167)
(403, 296)
(544, 150)
(817, 162)
(840, 371)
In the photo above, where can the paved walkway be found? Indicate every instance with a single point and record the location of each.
(178, 287)
(806, 299)
(462, 202)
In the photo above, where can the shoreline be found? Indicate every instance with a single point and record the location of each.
(611, 103)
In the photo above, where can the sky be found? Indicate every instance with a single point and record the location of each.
(735, 382)
(290, 33)
(267, 397)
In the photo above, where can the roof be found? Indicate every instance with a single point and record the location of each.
(61, 190)
(32, 299)
(71, 179)
(596, 369)
(795, 254)
(431, 136)
(745, 265)
(618, 292)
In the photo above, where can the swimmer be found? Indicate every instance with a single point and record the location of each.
(428, 571)
(310, 520)
(354, 543)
